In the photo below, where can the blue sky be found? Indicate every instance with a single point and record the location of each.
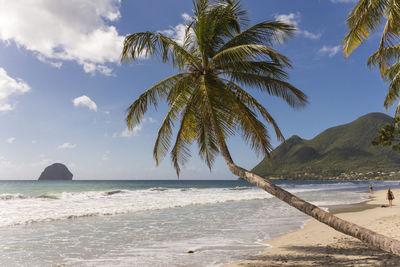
(63, 92)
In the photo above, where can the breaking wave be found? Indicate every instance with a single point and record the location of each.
(20, 209)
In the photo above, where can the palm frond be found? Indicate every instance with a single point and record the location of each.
(390, 32)
(207, 141)
(274, 87)
(392, 27)
(388, 54)
(212, 108)
(177, 98)
(215, 23)
(264, 33)
(391, 72)
(239, 54)
(364, 19)
(252, 103)
(180, 153)
(394, 91)
(397, 111)
(150, 97)
(264, 68)
(148, 44)
(243, 119)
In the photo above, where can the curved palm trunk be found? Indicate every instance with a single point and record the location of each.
(385, 243)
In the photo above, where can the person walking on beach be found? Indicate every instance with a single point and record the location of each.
(371, 189)
(390, 197)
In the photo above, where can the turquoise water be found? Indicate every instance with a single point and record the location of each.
(30, 187)
(151, 223)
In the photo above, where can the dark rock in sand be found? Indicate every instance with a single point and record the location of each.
(56, 172)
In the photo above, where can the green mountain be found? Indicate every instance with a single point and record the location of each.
(343, 149)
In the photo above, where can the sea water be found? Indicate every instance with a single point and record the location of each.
(152, 223)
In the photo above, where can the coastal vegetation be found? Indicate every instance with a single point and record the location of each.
(343, 152)
(389, 135)
(218, 60)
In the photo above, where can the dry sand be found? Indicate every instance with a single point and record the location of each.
(320, 245)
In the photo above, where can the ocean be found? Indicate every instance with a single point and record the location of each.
(152, 223)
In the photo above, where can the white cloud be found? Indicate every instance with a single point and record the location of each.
(291, 18)
(74, 30)
(85, 101)
(187, 17)
(294, 19)
(106, 156)
(344, 1)
(43, 162)
(11, 140)
(310, 35)
(71, 164)
(55, 64)
(10, 87)
(178, 32)
(134, 132)
(329, 50)
(66, 146)
(5, 163)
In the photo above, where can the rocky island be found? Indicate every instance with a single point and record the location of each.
(56, 172)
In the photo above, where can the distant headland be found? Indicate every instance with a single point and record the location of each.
(343, 152)
(56, 172)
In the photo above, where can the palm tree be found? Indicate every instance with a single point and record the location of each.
(216, 60)
(367, 17)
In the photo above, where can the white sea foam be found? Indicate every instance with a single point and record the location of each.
(19, 209)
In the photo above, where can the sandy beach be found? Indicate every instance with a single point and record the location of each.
(318, 244)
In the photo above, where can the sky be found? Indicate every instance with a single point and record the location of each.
(64, 92)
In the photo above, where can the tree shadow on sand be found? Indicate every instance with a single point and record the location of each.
(345, 252)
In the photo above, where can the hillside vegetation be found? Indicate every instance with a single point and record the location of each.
(344, 150)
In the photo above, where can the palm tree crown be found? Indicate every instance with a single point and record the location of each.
(216, 60)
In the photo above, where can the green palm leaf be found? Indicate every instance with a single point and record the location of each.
(250, 52)
(394, 87)
(150, 97)
(178, 97)
(274, 87)
(364, 19)
(253, 104)
(264, 33)
(148, 44)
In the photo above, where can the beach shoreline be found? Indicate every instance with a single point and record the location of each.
(317, 244)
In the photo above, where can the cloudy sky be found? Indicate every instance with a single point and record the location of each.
(64, 93)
